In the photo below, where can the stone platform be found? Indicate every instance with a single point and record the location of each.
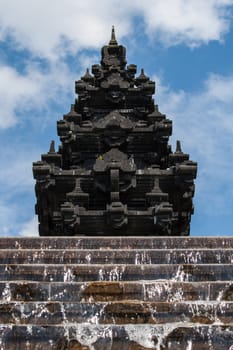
(116, 293)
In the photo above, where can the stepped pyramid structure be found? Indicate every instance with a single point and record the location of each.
(114, 173)
(110, 293)
(112, 189)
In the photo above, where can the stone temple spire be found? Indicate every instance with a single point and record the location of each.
(113, 54)
(114, 172)
(113, 40)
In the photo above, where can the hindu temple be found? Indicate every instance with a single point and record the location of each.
(113, 268)
(114, 172)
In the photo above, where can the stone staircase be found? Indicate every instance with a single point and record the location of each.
(116, 293)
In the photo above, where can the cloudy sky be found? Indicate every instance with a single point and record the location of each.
(186, 46)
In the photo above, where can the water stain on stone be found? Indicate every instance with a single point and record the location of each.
(228, 294)
(183, 339)
(61, 345)
(51, 307)
(11, 267)
(26, 292)
(136, 346)
(102, 291)
(202, 319)
(75, 345)
(123, 313)
(6, 313)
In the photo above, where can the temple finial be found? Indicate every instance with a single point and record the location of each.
(87, 77)
(178, 147)
(113, 40)
(142, 77)
(52, 147)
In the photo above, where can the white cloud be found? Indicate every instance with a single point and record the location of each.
(13, 218)
(220, 88)
(203, 121)
(69, 26)
(31, 91)
(30, 228)
(17, 174)
(7, 219)
(13, 89)
(192, 22)
(50, 29)
(16, 188)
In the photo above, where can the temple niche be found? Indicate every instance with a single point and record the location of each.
(114, 172)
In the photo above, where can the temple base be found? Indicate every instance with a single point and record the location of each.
(129, 293)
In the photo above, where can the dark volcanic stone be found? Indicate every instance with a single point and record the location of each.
(85, 273)
(116, 337)
(115, 172)
(118, 242)
(135, 305)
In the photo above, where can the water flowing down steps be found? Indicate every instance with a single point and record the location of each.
(116, 293)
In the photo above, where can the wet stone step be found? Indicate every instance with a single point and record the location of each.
(116, 242)
(82, 273)
(123, 256)
(163, 291)
(112, 337)
(124, 312)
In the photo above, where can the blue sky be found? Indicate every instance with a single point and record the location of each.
(186, 46)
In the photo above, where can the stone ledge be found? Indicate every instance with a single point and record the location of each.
(161, 293)
(128, 337)
(116, 242)
(118, 313)
(109, 272)
(164, 291)
(117, 256)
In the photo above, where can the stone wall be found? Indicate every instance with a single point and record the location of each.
(116, 293)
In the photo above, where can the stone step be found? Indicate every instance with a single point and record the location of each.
(116, 256)
(111, 293)
(112, 337)
(123, 312)
(117, 242)
(163, 291)
(110, 272)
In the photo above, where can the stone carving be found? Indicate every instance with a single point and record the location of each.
(114, 173)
